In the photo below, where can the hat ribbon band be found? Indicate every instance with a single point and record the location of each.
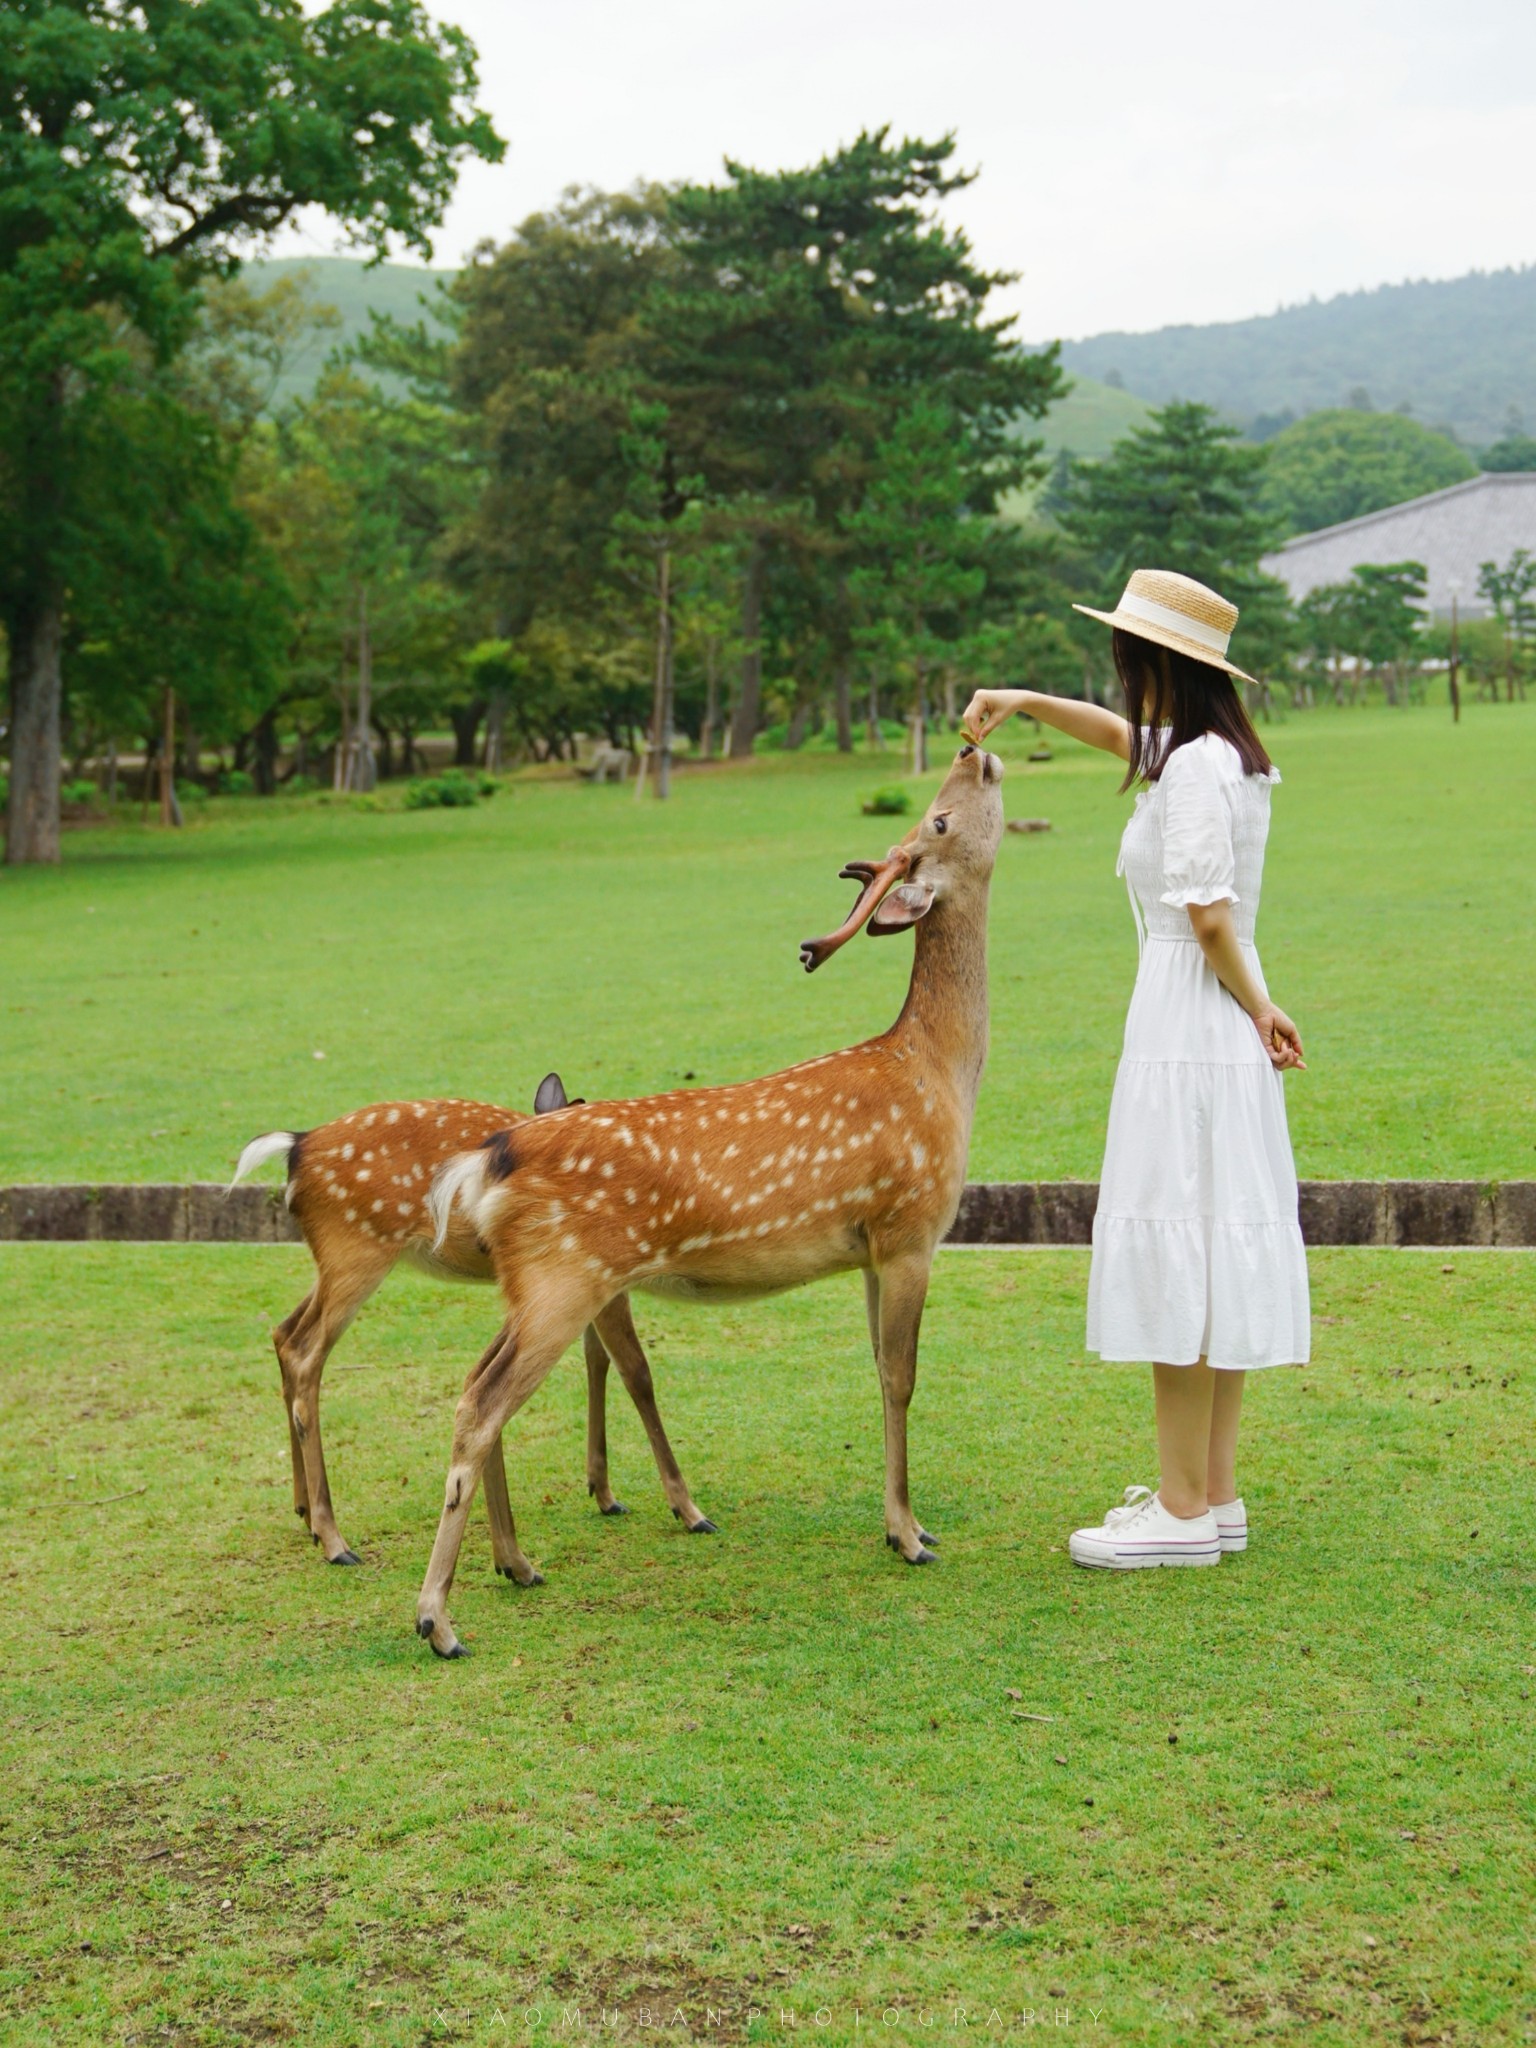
(1174, 622)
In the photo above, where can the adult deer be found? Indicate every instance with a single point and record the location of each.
(358, 1187)
(853, 1160)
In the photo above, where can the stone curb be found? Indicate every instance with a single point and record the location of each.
(1444, 1213)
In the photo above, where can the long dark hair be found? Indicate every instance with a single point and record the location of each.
(1165, 689)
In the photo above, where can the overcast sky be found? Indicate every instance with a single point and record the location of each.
(1140, 164)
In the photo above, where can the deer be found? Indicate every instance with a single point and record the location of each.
(854, 1160)
(357, 1187)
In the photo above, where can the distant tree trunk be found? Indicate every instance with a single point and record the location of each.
(951, 715)
(112, 771)
(264, 752)
(386, 751)
(170, 809)
(495, 730)
(659, 747)
(364, 772)
(709, 732)
(749, 702)
(872, 718)
(799, 723)
(842, 701)
(466, 724)
(920, 724)
(37, 639)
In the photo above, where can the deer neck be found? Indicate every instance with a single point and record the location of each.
(944, 1018)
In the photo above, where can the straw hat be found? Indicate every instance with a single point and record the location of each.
(1175, 611)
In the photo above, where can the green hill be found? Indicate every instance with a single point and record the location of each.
(355, 290)
(1460, 354)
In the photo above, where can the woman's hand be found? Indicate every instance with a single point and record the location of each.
(1279, 1037)
(987, 710)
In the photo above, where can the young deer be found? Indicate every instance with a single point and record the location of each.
(853, 1160)
(358, 1188)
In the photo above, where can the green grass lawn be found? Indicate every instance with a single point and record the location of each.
(163, 997)
(1289, 1799)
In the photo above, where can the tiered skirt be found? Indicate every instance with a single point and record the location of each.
(1197, 1250)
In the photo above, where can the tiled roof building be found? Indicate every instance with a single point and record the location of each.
(1452, 532)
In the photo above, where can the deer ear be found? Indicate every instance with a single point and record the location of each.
(550, 1094)
(902, 907)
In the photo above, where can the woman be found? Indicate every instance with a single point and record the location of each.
(1197, 1254)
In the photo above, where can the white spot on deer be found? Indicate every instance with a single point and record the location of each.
(351, 1215)
(604, 1121)
(441, 1121)
(607, 1169)
(895, 1112)
(626, 1135)
(393, 1117)
(731, 1150)
(568, 1242)
(378, 1205)
(402, 1208)
(630, 1195)
(347, 1151)
(364, 1174)
(696, 1244)
(762, 1230)
(643, 1245)
(918, 1154)
(584, 1165)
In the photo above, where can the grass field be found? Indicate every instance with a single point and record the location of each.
(163, 997)
(775, 1772)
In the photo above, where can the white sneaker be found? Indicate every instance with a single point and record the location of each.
(1142, 1532)
(1232, 1525)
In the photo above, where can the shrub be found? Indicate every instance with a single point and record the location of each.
(452, 790)
(5, 791)
(890, 802)
(300, 785)
(235, 782)
(191, 793)
(83, 791)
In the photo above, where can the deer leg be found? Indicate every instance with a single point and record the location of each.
(335, 1301)
(902, 1289)
(509, 1371)
(511, 1561)
(597, 1424)
(616, 1330)
(281, 1337)
(872, 1313)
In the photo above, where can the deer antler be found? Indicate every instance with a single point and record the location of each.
(878, 878)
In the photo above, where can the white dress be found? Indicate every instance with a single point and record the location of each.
(1197, 1250)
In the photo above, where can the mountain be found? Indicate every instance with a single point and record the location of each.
(355, 290)
(1459, 354)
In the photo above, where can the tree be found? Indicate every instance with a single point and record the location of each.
(915, 582)
(1514, 450)
(1376, 616)
(1512, 593)
(1342, 464)
(808, 307)
(1183, 493)
(140, 149)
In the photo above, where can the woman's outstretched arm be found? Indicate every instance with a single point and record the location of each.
(1088, 722)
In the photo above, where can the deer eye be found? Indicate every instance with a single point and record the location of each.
(941, 824)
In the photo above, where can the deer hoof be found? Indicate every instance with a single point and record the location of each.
(345, 1557)
(426, 1629)
(924, 1556)
(703, 1527)
(924, 1537)
(614, 1507)
(535, 1576)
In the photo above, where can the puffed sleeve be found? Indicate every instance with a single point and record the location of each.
(1198, 862)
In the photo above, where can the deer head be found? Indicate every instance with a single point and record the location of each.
(948, 855)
